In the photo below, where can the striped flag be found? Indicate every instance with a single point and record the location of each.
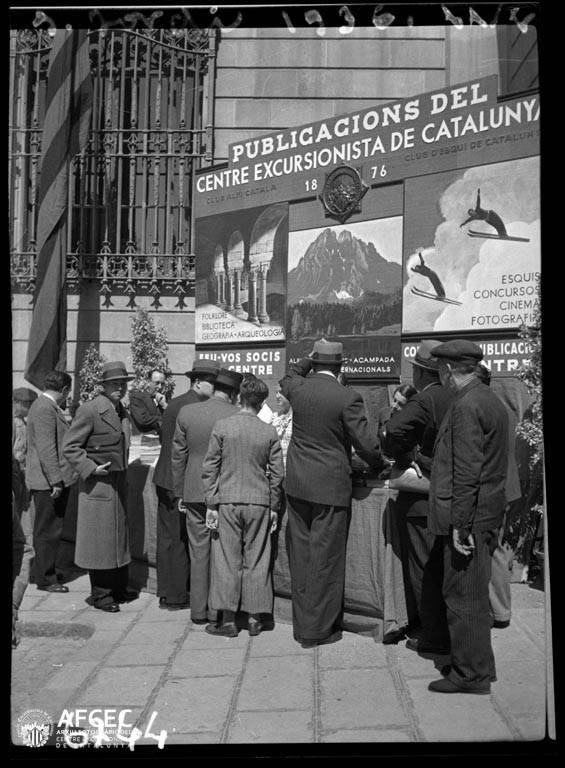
(68, 106)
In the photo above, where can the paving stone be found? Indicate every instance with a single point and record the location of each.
(99, 645)
(148, 633)
(414, 665)
(153, 653)
(200, 640)
(44, 617)
(513, 644)
(521, 687)
(120, 686)
(525, 597)
(72, 674)
(282, 682)
(532, 622)
(65, 602)
(457, 716)
(152, 612)
(531, 727)
(272, 727)
(353, 698)
(31, 601)
(352, 651)
(104, 620)
(224, 661)
(198, 704)
(280, 642)
(368, 735)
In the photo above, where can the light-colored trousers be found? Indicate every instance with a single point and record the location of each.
(241, 560)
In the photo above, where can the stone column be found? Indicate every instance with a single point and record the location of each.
(218, 276)
(229, 291)
(252, 295)
(239, 311)
(263, 316)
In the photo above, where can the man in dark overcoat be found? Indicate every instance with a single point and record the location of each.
(466, 506)
(96, 446)
(190, 443)
(172, 544)
(146, 408)
(327, 420)
(410, 435)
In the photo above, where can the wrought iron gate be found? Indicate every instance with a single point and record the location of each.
(130, 192)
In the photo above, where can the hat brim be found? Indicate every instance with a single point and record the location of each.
(419, 364)
(116, 378)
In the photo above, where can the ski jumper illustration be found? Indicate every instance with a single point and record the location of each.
(491, 217)
(423, 269)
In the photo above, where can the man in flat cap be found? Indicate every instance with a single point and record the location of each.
(193, 428)
(415, 427)
(466, 505)
(327, 420)
(97, 446)
(172, 543)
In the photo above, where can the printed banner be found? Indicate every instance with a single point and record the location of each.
(504, 357)
(344, 283)
(472, 248)
(241, 264)
(456, 127)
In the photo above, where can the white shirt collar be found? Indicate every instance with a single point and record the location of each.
(50, 398)
(328, 373)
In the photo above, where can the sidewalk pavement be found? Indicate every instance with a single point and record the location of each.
(266, 689)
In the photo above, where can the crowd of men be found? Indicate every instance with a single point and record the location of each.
(223, 484)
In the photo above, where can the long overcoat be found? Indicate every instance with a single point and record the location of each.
(102, 539)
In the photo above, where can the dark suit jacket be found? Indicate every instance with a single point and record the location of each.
(190, 442)
(417, 424)
(146, 416)
(163, 475)
(470, 463)
(234, 471)
(327, 420)
(46, 465)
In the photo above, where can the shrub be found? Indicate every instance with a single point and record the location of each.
(149, 349)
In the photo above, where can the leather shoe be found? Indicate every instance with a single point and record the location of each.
(54, 588)
(108, 607)
(255, 628)
(413, 644)
(128, 596)
(199, 621)
(226, 630)
(446, 686)
(333, 638)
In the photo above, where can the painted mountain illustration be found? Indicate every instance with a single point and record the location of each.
(341, 269)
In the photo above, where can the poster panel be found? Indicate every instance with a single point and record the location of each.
(241, 264)
(472, 248)
(344, 283)
(267, 363)
(504, 357)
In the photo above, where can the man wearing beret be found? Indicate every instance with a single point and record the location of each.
(466, 506)
(328, 419)
(172, 544)
(193, 428)
(97, 446)
(415, 426)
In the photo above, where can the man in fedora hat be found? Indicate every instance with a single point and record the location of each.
(466, 506)
(327, 420)
(414, 427)
(146, 408)
(193, 428)
(172, 544)
(96, 446)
